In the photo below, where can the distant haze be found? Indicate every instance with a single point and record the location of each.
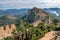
(55, 13)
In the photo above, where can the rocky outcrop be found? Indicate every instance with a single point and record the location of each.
(57, 36)
(48, 36)
(52, 35)
(6, 30)
(37, 14)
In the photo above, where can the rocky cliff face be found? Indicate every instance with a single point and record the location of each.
(37, 14)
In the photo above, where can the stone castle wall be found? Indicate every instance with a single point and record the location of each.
(6, 30)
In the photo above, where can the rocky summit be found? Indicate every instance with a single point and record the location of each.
(36, 14)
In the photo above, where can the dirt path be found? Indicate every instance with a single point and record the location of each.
(48, 36)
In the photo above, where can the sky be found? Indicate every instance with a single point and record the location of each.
(16, 4)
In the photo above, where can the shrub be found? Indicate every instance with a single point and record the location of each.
(8, 38)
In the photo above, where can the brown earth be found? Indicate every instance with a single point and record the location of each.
(48, 36)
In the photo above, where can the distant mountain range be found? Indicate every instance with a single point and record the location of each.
(54, 12)
(9, 15)
(13, 11)
(24, 11)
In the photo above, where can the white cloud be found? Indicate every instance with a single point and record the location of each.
(49, 3)
(29, 3)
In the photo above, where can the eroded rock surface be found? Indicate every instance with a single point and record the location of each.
(52, 35)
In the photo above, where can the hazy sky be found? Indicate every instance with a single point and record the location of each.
(9, 4)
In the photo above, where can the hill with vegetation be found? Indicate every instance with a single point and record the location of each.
(7, 19)
(25, 30)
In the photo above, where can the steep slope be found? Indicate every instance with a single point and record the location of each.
(36, 14)
(48, 36)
